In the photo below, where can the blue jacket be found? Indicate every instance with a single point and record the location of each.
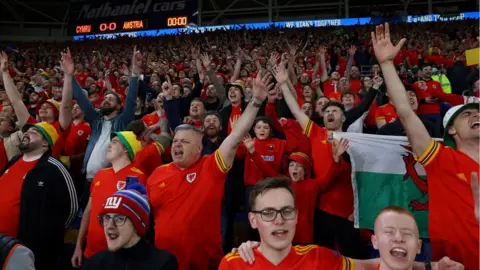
(96, 119)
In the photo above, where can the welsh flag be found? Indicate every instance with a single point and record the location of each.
(385, 173)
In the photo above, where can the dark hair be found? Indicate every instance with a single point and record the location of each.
(181, 87)
(334, 104)
(267, 184)
(348, 93)
(117, 96)
(214, 113)
(198, 100)
(264, 119)
(137, 127)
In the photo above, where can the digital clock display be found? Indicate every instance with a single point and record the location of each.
(103, 17)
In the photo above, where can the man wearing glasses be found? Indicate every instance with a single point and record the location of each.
(186, 195)
(274, 214)
(124, 218)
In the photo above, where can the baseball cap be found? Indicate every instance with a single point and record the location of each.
(48, 131)
(448, 119)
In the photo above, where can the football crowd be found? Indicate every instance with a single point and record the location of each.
(217, 150)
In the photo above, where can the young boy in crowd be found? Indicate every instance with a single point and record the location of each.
(124, 218)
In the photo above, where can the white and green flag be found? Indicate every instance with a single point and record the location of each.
(385, 173)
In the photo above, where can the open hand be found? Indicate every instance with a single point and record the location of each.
(245, 251)
(136, 61)
(280, 74)
(67, 63)
(339, 148)
(261, 86)
(385, 51)
(249, 143)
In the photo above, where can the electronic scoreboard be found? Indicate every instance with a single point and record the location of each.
(97, 17)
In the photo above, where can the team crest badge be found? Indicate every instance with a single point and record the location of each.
(121, 185)
(80, 132)
(191, 177)
(270, 147)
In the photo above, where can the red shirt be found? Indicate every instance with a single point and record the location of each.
(271, 150)
(329, 88)
(427, 108)
(105, 183)
(453, 227)
(386, 112)
(10, 195)
(413, 57)
(152, 119)
(299, 257)
(186, 206)
(77, 139)
(81, 78)
(355, 85)
(234, 116)
(306, 194)
(337, 188)
(399, 58)
(149, 158)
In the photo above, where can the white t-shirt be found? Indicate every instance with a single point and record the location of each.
(97, 160)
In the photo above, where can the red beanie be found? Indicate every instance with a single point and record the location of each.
(303, 160)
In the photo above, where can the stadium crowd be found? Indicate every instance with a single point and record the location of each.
(152, 157)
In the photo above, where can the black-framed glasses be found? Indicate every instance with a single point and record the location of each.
(270, 214)
(118, 220)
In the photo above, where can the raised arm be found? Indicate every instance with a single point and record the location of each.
(385, 52)
(351, 53)
(128, 113)
(12, 92)
(65, 115)
(282, 78)
(323, 64)
(245, 122)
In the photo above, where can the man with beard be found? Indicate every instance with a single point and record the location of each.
(50, 111)
(110, 119)
(38, 196)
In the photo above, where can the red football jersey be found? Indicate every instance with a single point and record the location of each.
(427, 108)
(149, 158)
(271, 150)
(453, 227)
(386, 112)
(77, 139)
(300, 257)
(186, 206)
(104, 184)
(334, 188)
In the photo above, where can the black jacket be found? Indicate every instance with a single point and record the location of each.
(48, 204)
(395, 128)
(142, 256)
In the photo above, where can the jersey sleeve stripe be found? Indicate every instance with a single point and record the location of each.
(347, 264)
(233, 258)
(220, 162)
(308, 128)
(380, 118)
(429, 153)
(71, 190)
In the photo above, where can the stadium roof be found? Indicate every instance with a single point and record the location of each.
(54, 13)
